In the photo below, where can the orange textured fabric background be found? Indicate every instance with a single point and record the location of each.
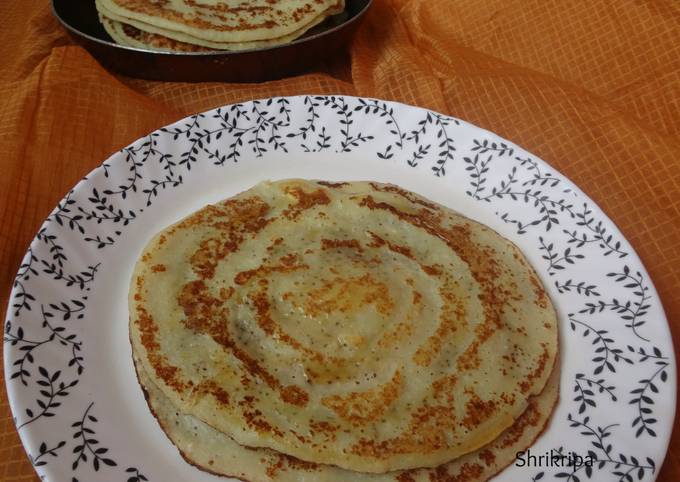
(593, 88)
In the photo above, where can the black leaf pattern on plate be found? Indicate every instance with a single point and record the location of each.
(56, 334)
(557, 261)
(619, 465)
(585, 395)
(51, 390)
(89, 448)
(599, 234)
(606, 353)
(647, 388)
(22, 299)
(134, 475)
(40, 459)
(581, 288)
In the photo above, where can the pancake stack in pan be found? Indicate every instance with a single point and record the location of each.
(206, 25)
(315, 331)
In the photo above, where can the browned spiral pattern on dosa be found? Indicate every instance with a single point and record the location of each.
(411, 334)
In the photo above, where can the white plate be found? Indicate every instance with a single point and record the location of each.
(68, 365)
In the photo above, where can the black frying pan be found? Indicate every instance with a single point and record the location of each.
(329, 38)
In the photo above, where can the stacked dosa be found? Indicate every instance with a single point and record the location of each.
(213, 451)
(355, 325)
(202, 25)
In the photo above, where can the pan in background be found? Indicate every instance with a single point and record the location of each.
(327, 39)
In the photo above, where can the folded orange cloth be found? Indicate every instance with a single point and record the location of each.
(593, 88)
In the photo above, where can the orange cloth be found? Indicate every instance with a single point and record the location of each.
(593, 88)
